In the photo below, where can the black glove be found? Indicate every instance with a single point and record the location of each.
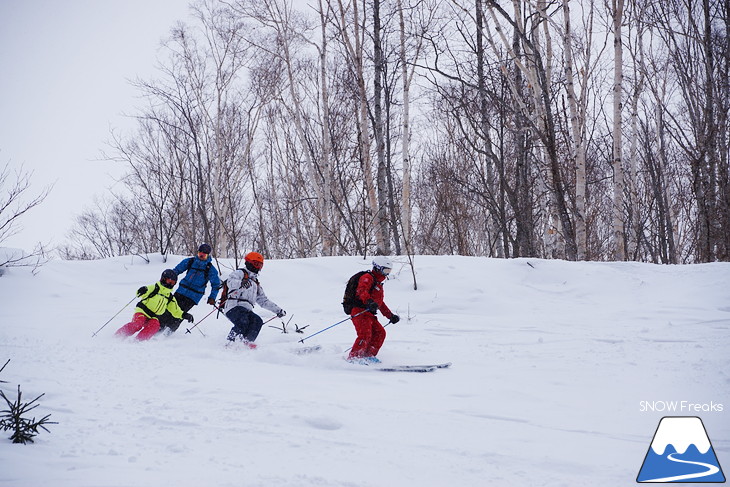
(281, 313)
(189, 317)
(141, 290)
(371, 306)
(394, 319)
(211, 301)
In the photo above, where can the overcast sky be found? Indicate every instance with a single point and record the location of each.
(66, 66)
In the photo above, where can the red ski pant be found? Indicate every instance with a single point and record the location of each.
(147, 327)
(370, 335)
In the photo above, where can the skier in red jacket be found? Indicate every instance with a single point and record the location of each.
(369, 297)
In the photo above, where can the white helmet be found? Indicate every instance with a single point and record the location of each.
(380, 263)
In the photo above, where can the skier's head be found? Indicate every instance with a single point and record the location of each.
(254, 261)
(382, 264)
(204, 251)
(168, 278)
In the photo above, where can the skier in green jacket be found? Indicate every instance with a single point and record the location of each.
(155, 300)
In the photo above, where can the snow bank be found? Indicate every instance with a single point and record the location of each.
(551, 362)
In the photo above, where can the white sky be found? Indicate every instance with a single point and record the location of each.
(66, 66)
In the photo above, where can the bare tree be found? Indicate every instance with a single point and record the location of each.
(349, 17)
(278, 128)
(15, 202)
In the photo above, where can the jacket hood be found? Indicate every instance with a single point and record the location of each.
(379, 276)
(250, 273)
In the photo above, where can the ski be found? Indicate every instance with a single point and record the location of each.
(444, 365)
(306, 350)
(406, 368)
(414, 368)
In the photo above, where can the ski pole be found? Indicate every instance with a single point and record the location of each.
(220, 310)
(283, 325)
(187, 330)
(331, 326)
(269, 319)
(110, 319)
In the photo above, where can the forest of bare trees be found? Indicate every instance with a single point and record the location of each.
(579, 130)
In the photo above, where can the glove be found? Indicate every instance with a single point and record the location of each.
(188, 317)
(394, 319)
(281, 313)
(371, 306)
(211, 301)
(141, 290)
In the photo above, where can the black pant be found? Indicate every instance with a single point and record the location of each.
(246, 324)
(169, 322)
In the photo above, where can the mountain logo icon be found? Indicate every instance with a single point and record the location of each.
(681, 452)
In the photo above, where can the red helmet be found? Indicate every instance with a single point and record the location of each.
(254, 260)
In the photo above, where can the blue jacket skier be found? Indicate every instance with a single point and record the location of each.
(198, 270)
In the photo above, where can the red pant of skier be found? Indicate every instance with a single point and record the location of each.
(370, 336)
(147, 327)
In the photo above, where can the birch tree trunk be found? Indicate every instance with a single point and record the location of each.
(708, 141)
(406, 137)
(577, 125)
(634, 239)
(328, 240)
(484, 110)
(619, 252)
(379, 131)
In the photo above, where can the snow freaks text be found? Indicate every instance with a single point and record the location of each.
(683, 407)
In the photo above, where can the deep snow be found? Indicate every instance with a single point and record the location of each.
(554, 366)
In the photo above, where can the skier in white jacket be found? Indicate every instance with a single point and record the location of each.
(243, 292)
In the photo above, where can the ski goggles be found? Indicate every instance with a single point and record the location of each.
(169, 281)
(202, 255)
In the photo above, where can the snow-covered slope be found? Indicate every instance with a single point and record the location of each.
(551, 363)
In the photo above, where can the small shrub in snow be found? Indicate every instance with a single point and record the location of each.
(15, 419)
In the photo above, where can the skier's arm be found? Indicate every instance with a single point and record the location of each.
(385, 310)
(147, 292)
(364, 285)
(175, 309)
(215, 282)
(182, 266)
(265, 302)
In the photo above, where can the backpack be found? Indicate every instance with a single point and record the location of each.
(224, 288)
(207, 268)
(154, 292)
(350, 299)
(224, 294)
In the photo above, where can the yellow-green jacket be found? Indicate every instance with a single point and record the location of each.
(156, 301)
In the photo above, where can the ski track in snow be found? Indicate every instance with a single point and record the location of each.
(549, 365)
